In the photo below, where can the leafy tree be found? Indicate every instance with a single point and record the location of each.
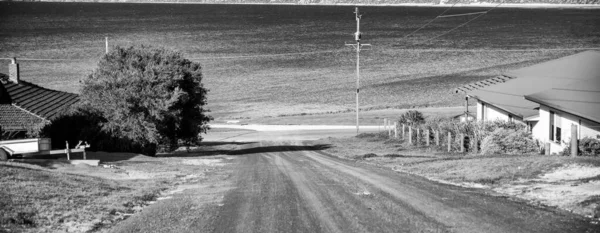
(412, 118)
(148, 95)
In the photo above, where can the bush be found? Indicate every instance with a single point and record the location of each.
(589, 146)
(412, 118)
(509, 141)
(149, 96)
(86, 126)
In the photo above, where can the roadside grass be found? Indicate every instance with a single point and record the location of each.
(36, 199)
(398, 72)
(59, 197)
(453, 167)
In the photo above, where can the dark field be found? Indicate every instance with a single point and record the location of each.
(232, 41)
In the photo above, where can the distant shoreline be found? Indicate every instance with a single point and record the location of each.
(483, 4)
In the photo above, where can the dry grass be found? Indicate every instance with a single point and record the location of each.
(488, 170)
(36, 199)
(392, 76)
(59, 197)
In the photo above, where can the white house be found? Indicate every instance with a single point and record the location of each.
(551, 91)
(561, 108)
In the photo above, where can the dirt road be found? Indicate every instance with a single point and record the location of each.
(293, 187)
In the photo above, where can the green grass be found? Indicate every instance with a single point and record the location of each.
(393, 74)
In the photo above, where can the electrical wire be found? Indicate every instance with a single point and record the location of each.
(459, 26)
(430, 21)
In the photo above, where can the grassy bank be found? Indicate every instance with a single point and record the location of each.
(570, 183)
(60, 197)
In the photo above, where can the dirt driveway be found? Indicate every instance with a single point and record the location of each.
(288, 186)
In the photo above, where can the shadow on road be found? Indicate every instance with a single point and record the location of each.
(268, 149)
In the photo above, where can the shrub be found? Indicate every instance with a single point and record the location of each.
(150, 96)
(86, 126)
(412, 118)
(508, 141)
(589, 146)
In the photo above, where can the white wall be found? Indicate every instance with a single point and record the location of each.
(487, 112)
(585, 128)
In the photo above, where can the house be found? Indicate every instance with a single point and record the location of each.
(548, 95)
(575, 105)
(24, 105)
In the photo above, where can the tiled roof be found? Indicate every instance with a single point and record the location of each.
(40, 101)
(15, 119)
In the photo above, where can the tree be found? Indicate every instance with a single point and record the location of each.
(148, 95)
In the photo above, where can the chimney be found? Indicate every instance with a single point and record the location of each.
(13, 71)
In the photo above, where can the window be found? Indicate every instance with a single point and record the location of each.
(555, 127)
(551, 121)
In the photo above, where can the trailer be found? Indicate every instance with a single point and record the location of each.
(36, 147)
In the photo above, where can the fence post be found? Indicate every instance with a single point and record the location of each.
(418, 136)
(390, 131)
(574, 144)
(410, 135)
(395, 129)
(437, 138)
(475, 144)
(449, 142)
(403, 132)
(462, 143)
(427, 137)
(68, 151)
(547, 148)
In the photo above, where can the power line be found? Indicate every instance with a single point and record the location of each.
(430, 21)
(263, 55)
(461, 25)
(464, 14)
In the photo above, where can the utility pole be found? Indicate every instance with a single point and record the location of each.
(106, 44)
(358, 46)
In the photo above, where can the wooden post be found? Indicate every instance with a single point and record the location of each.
(475, 144)
(574, 144)
(418, 136)
(437, 138)
(403, 132)
(395, 129)
(462, 143)
(427, 137)
(449, 142)
(547, 148)
(410, 135)
(68, 151)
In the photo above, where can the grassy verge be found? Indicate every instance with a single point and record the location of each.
(35, 199)
(569, 183)
(59, 197)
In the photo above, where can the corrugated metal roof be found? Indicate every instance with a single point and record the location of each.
(579, 98)
(483, 83)
(16, 119)
(510, 95)
(40, 101)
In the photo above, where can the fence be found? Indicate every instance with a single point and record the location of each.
(451, 141)
(422, 136)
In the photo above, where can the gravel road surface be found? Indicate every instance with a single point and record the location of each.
(293, 187)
